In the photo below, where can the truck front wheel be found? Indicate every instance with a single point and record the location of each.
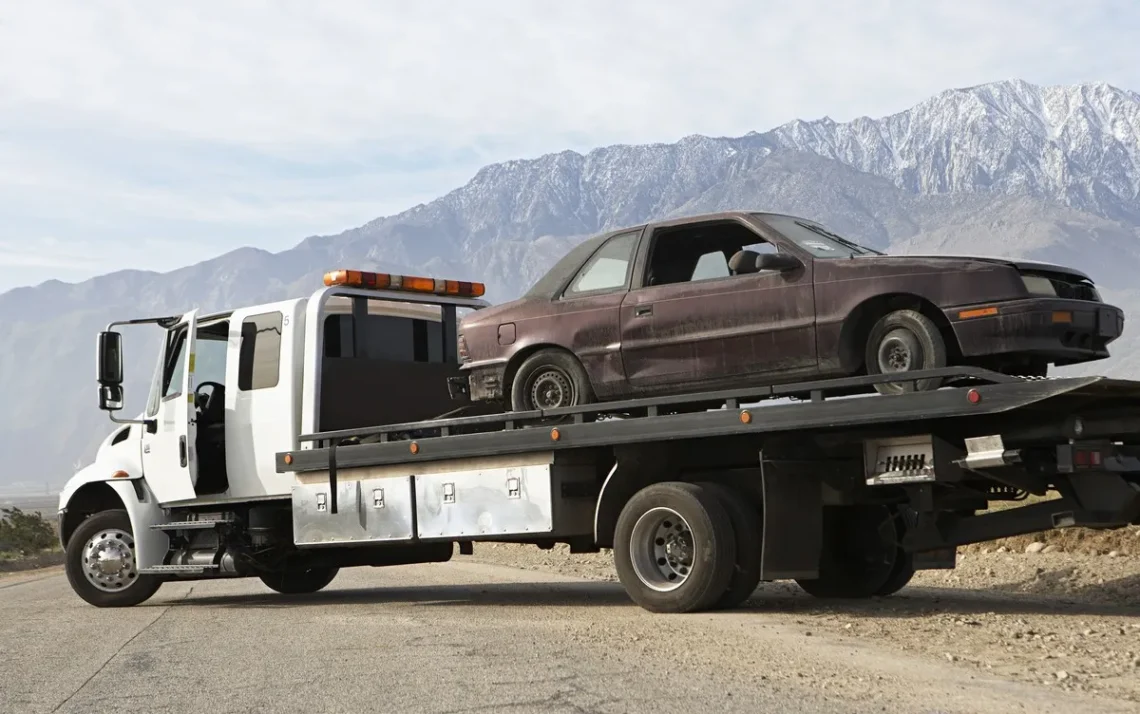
(674, 548)
(101, 564)
(300, 582)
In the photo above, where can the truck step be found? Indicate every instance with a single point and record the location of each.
(190, 525)
(184, 569)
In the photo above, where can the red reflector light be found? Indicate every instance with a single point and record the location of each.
(405, 283)
(973, 396)
(1083, 457)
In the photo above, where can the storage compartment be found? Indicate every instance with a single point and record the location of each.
(368, 510)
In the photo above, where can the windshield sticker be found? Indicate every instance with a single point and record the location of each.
(816, 245)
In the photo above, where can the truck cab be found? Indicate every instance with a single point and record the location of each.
(231, 389)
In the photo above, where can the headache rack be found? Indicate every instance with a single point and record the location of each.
(816, 405)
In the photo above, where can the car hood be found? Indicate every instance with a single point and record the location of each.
(1025, 265)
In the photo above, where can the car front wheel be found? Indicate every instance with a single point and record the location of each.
(550, 379)
(905, 341)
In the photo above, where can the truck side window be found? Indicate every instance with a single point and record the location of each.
(259, 359)
(175, 366)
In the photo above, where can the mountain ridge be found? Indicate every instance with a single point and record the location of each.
(1043, 172)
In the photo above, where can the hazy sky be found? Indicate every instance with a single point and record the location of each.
(155, 134)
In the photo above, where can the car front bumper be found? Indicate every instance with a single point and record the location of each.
(1062, 331)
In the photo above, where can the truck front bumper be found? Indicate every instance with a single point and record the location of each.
(1062, 331)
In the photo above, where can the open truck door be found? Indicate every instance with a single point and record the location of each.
(168, 454)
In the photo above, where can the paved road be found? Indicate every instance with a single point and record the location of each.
(455, 637)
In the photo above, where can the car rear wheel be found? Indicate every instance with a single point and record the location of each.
(905, 341)
(550, 379)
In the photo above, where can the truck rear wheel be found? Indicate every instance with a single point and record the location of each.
(300, 582)
(674, 548)
(746, 524)
(101, 564)
(860, 554)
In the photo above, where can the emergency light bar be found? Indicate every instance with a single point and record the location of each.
(407, 283)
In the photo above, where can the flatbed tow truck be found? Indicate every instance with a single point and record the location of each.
(328, 450)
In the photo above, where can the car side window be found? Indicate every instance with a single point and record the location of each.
(608, 268)
(714, 264)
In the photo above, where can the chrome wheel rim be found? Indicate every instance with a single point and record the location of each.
(551, 389)
(109, 560)
(661, 549)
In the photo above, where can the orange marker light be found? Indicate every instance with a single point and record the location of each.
(745, 417)
(404, 283)
(977, 312)
(1063, 317)
(288, 459)
(120, 474)
(555, 435)
(414, 448)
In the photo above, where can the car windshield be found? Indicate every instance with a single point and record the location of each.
(816, 239)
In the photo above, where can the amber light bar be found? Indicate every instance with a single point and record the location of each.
(406, 283)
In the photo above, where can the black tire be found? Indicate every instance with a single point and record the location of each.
(747, 526)
(904, 570)
(905, 341)
(113, 530)
(711, 554)
(860, 552)
(300, 582)
(559, 372)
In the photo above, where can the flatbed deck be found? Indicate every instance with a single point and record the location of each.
(1043, 406)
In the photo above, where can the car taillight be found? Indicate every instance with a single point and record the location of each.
(463, 357)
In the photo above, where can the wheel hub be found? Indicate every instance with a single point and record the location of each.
(898, 352)
(109, 560)
(551, 390)
(661, 549)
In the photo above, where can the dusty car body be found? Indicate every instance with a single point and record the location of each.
(742, 298)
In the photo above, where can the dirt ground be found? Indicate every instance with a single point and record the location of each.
(1064, 620)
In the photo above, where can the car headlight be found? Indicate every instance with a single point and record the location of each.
(1038, 285)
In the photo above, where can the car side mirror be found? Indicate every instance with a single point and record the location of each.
(776, 261)
(109, 360)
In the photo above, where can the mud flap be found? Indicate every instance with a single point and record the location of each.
(793, 522)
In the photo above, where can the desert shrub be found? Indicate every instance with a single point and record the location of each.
(25, 533)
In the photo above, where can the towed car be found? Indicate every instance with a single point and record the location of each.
(740, 299)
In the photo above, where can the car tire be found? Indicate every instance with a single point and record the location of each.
(550, 379)
(747, 525)
(110, 532)
(300, 582)
(656, 519)
(905, 341)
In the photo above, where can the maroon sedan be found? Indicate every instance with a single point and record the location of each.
(743, 299)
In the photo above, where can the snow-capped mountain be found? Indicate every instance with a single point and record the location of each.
(1045, 172)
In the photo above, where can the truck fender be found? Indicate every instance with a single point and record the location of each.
(98, 488)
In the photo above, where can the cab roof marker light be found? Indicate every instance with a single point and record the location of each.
(403, 283)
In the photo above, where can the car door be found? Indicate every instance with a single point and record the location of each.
(712, 327)
(168, 457)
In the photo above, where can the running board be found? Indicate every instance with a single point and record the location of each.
(177, 569)
(189, 525)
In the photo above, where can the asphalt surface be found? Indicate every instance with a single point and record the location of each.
(455, 637)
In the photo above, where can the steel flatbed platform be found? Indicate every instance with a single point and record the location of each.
(1025, 404)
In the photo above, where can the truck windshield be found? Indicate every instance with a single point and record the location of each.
(816, 239)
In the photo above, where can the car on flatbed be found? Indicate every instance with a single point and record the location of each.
(745, 298)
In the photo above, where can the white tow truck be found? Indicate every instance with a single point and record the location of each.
(286, 441)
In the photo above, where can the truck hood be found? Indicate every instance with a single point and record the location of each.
(1026, 265)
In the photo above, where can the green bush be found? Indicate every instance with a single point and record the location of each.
(26, 533)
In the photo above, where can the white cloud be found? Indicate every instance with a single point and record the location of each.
(262, 122)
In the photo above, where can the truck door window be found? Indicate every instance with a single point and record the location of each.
(175, 365)
(259, 358)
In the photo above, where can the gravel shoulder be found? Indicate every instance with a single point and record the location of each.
(1062, 621)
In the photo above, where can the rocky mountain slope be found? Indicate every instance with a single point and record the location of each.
(1046, 172)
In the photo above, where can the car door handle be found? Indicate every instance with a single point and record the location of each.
(642, 310)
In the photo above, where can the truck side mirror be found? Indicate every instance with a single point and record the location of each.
(110, 397)
(109, 361)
